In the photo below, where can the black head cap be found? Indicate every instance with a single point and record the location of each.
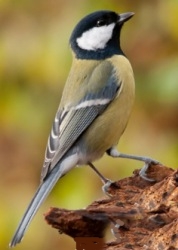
(97, 36)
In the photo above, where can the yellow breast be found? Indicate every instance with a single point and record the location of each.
(107, 129)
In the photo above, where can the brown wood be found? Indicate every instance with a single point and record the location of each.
(141, 214)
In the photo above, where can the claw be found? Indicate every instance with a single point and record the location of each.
(116, 225)
(106, 187)
(144, 169)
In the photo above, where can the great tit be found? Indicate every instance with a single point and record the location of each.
(95, 107)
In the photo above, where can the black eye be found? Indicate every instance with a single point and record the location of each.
(101, 22)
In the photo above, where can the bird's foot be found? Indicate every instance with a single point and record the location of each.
(144, 169)
(106, 187)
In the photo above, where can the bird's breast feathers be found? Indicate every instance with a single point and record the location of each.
(109, 126)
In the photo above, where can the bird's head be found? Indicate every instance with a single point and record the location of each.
(97, 36)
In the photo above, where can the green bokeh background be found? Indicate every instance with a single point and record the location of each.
(35, 59)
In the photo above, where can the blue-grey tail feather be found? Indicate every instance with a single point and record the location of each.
(40, 195)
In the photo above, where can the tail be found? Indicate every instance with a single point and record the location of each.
(40, 195)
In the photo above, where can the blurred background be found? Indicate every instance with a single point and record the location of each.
(35, 60)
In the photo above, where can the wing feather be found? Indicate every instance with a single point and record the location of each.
(71, 122)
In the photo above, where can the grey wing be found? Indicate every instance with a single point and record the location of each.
(70, 123)
(52, 145)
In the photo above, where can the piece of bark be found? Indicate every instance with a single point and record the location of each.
(142, 215)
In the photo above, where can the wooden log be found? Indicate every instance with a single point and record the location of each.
(141, 214)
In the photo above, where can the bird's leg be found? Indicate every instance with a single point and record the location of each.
(148, 161)
(105, 181)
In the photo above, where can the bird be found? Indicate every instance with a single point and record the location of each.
(95, 107)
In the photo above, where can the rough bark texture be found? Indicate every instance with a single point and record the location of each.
(141, 214)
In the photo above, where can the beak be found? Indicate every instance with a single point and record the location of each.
(122, 18)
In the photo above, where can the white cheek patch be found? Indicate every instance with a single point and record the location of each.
(96, 38)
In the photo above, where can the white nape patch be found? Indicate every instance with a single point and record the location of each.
(96, 38)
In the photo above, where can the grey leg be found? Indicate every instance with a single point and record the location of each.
(105, 181)
(148, 161)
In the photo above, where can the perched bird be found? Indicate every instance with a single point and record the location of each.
(95, 107)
